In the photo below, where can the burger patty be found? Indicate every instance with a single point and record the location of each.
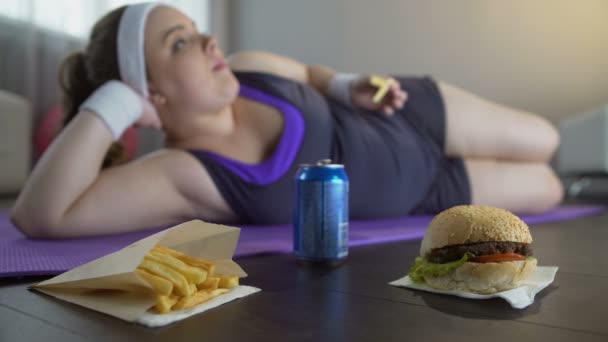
(455, 252)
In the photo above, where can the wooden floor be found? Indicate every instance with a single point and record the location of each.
(354, 302)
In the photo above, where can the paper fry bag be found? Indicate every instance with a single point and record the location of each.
(110, 285)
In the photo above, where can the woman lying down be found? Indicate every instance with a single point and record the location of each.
(237, 129)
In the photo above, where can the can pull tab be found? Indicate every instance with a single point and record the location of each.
(324, 162)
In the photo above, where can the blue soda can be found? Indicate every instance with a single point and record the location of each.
(321, 213)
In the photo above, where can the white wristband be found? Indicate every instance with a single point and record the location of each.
(340, 86)
(116, 104)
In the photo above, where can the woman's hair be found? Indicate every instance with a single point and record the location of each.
(84, 71)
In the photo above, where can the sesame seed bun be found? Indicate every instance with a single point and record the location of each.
(473, 223)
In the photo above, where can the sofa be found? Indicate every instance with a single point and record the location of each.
(15, 141)
(29, 91)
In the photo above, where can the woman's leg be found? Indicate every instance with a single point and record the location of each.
(478, 128)
(521, 187)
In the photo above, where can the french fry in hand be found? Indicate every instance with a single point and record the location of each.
(181, 281)
(383, 85)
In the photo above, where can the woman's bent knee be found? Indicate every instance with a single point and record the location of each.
(516, 186)
(548, 139)
(553, 193)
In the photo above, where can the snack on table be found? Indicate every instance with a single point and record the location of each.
(181, 281)
(475, 248)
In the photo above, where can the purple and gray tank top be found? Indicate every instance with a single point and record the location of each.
(390, 163)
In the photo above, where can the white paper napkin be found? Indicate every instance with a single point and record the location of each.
(158, 320)
(519, 297)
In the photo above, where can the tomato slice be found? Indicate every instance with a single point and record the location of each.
(498, 258)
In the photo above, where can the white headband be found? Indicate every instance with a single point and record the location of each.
(131, 56)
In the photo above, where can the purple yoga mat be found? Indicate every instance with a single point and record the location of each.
(20, 256)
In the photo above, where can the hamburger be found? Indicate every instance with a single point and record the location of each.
(474, 248)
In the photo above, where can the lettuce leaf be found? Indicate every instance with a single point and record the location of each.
(422, 268)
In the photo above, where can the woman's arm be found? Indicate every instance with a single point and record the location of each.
(360, 92)
(67, 195)
(317, 76)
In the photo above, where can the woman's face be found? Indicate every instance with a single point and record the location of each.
(186, 68)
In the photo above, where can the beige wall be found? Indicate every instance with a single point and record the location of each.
(547, 56)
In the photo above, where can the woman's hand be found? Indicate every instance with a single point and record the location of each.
(363, 91)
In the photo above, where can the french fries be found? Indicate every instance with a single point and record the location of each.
(228, 282)
(210, 284)
(180, 281)
(192, 274)
(160, 285)
(165, 303)
(206, 265)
